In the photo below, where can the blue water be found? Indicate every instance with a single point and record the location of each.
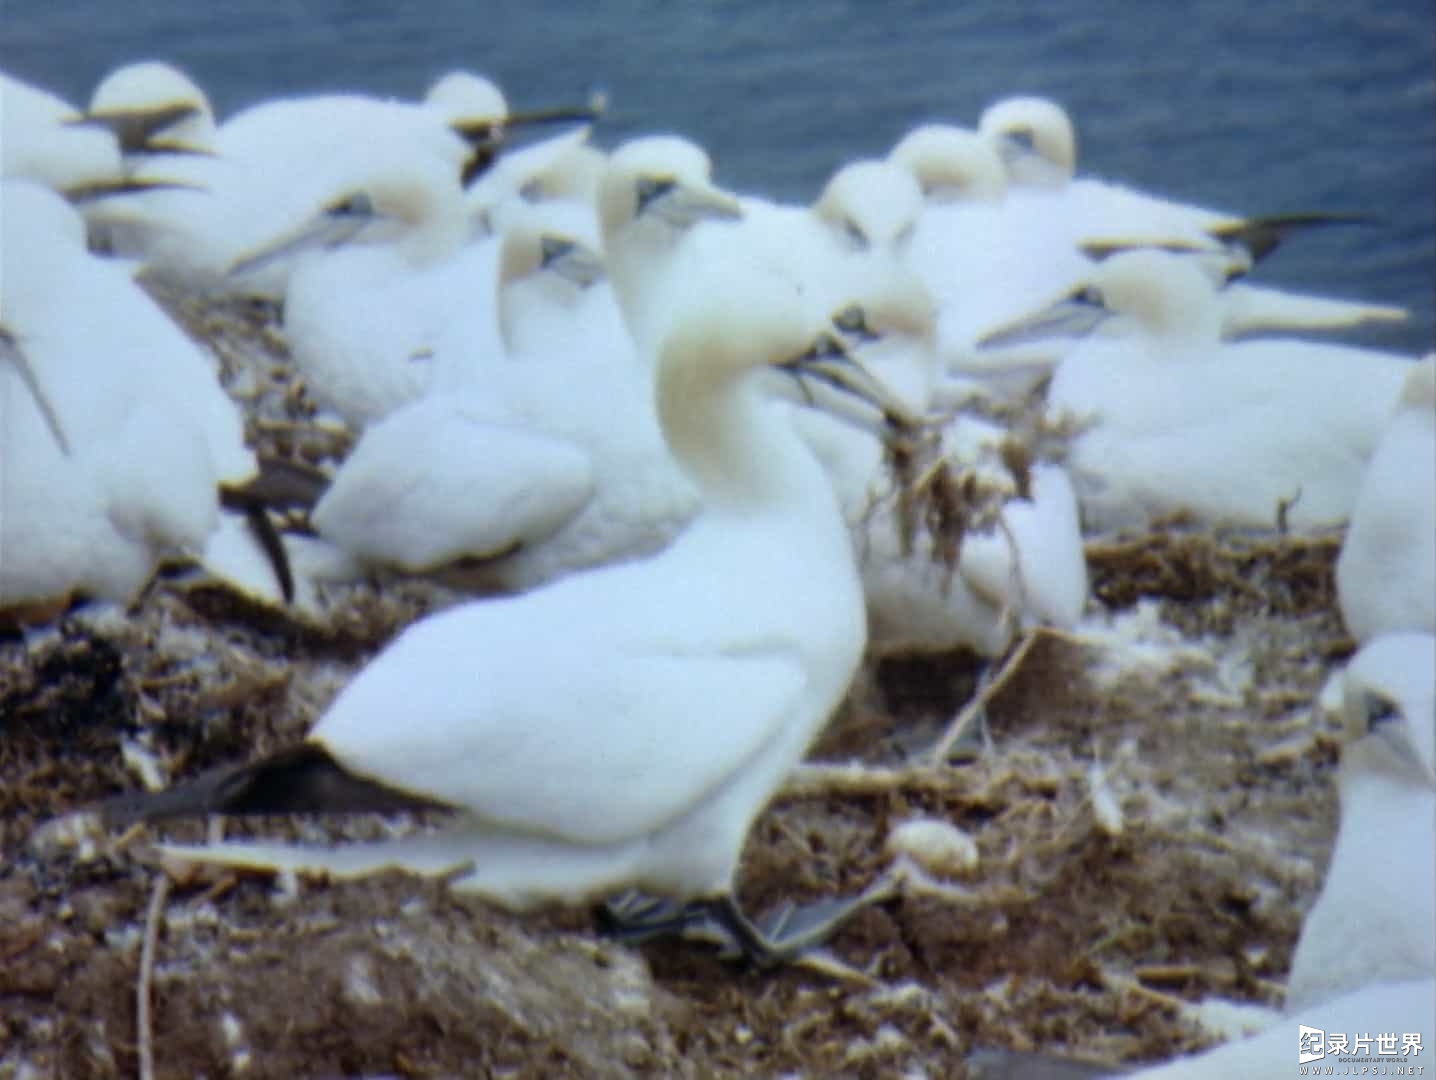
(1243, 106)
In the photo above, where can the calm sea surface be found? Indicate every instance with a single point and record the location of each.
(1246, 106)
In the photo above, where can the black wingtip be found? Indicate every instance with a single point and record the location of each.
(1260, 236)
(268, 538)
(303, 780)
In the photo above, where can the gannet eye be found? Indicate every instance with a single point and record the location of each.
(652, 188)
(356, 205)
(1380, 710)
(1023, 137)
(851, 320)
(552, 248)
(1090, 295)
(855, 235)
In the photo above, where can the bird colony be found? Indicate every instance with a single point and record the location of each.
(956, 593)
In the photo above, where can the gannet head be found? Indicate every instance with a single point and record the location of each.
(872, 205)
(886, 304)
(1168, 297)
(1418, 390)
(463, 96)
(1389, 711)
(733, 326)
(411, 201)
(662, 180)
(153, 108)
(1035, 139)
(889, 323)
(558, 238)
(576, 175)
(952, 164)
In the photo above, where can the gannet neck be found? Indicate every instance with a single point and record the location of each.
(740, 451)
(1418, 392)
(1035, 138)
(952, 164)
(541, 264)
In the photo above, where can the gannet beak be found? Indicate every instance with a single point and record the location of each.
(133, 128)
(335, 225)
(514, 169)
(484, 129)
(827, 362)
(11, 353)
(571, 260)
(681, 203)
(81, 194)
(171, 146)
(1075, 315)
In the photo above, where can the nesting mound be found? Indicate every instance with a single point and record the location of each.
(1145, 830)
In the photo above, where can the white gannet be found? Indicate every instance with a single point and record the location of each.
(1024, 567)
(547, 721)
(42, 143)
(147, 429)
(1365, 960)
(379, 270)
(988, 259)
(547, 462)
(1375, 919)
(1173, 416)
(1386, 574)
(270, 165)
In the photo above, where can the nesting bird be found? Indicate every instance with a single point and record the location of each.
(545, 722)
(1386, 574)
(117, 460)
(1168, 416)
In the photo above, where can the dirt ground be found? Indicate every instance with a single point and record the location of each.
(1146, 821)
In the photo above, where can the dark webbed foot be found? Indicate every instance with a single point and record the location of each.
(782, 936)
(636, 917)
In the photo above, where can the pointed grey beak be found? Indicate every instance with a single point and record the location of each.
(134, 128)
(11, 353)
(682, 204)
(1072, 316)
(571, 260)
(332, 227)
(828, 363)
